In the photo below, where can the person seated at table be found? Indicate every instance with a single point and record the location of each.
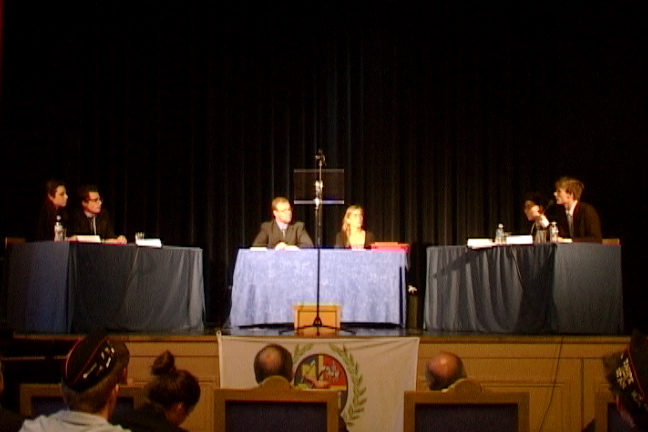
(91, 218)
(575, 219)
(534, 208)
(171, 396)
(352, 235)
(282, 232)
(53, 209)
(443, 370)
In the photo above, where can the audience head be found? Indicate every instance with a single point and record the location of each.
(281, 210)
(92, 372)
(443, 370)
(568, 190)
(534, 205)
(273, 360)
(173, 391)
(353, 218)
(56, 192)
(90, 199)
(627, 375)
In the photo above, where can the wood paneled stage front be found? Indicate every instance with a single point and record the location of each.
(561, 373)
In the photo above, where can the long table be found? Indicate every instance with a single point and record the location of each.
(370, 285)
(61, 287)
(541, 288)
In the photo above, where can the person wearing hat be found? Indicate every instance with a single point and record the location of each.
(627, 375)
(92, 372)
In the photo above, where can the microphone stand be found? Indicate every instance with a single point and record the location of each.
(319, 187)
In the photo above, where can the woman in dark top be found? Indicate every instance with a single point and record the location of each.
(352, 235)
(53, 209)
(171, 396)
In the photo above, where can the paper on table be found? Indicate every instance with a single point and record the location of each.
(154, 243)
(480, 243)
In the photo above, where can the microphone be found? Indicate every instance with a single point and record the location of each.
(544, 220)
(320, 157)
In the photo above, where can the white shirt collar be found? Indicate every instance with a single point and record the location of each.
(282, 226)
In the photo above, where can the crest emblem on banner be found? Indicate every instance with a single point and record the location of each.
(339, 372)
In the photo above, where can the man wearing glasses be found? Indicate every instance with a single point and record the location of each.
(281, 233)
(91, 219)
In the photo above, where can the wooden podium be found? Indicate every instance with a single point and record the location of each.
(304, 313)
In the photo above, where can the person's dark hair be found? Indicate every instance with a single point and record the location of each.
(85, 190)
(171, 385)
(92, 369)
(273, 360)
(51, 185)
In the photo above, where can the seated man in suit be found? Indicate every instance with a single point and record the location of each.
(443, 370)
(575, 219)
(280, 232)
(91, 219)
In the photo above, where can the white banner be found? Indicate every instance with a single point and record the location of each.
(372, 374)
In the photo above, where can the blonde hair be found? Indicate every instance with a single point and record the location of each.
(571, 185)
(345, 225)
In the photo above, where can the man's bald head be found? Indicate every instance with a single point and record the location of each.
(443, 369)
(273, 360)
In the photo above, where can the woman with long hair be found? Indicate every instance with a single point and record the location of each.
(353, 235)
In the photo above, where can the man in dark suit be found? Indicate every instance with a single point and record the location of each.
(281, 232)
(91, 218)
(575, 219)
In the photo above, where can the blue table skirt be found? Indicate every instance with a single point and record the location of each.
(370, 285)
(60, 287)
(558, 288)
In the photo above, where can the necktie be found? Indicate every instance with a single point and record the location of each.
(570, 221)
(93, 225)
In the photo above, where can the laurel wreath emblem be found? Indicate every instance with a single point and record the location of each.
(359, 389)
(358, 401)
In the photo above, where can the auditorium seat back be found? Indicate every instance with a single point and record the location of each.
(466, 407)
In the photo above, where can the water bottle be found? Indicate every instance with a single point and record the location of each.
(553, 233)
(59, 231)
(500, 237)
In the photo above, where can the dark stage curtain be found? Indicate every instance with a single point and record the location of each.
(191, 117)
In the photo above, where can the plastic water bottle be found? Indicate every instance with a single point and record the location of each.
(500, 237)
(59, 231)
(553, 232)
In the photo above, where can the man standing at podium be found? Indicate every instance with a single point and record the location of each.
(281, 232)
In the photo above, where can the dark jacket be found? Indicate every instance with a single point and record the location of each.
(270, 235)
